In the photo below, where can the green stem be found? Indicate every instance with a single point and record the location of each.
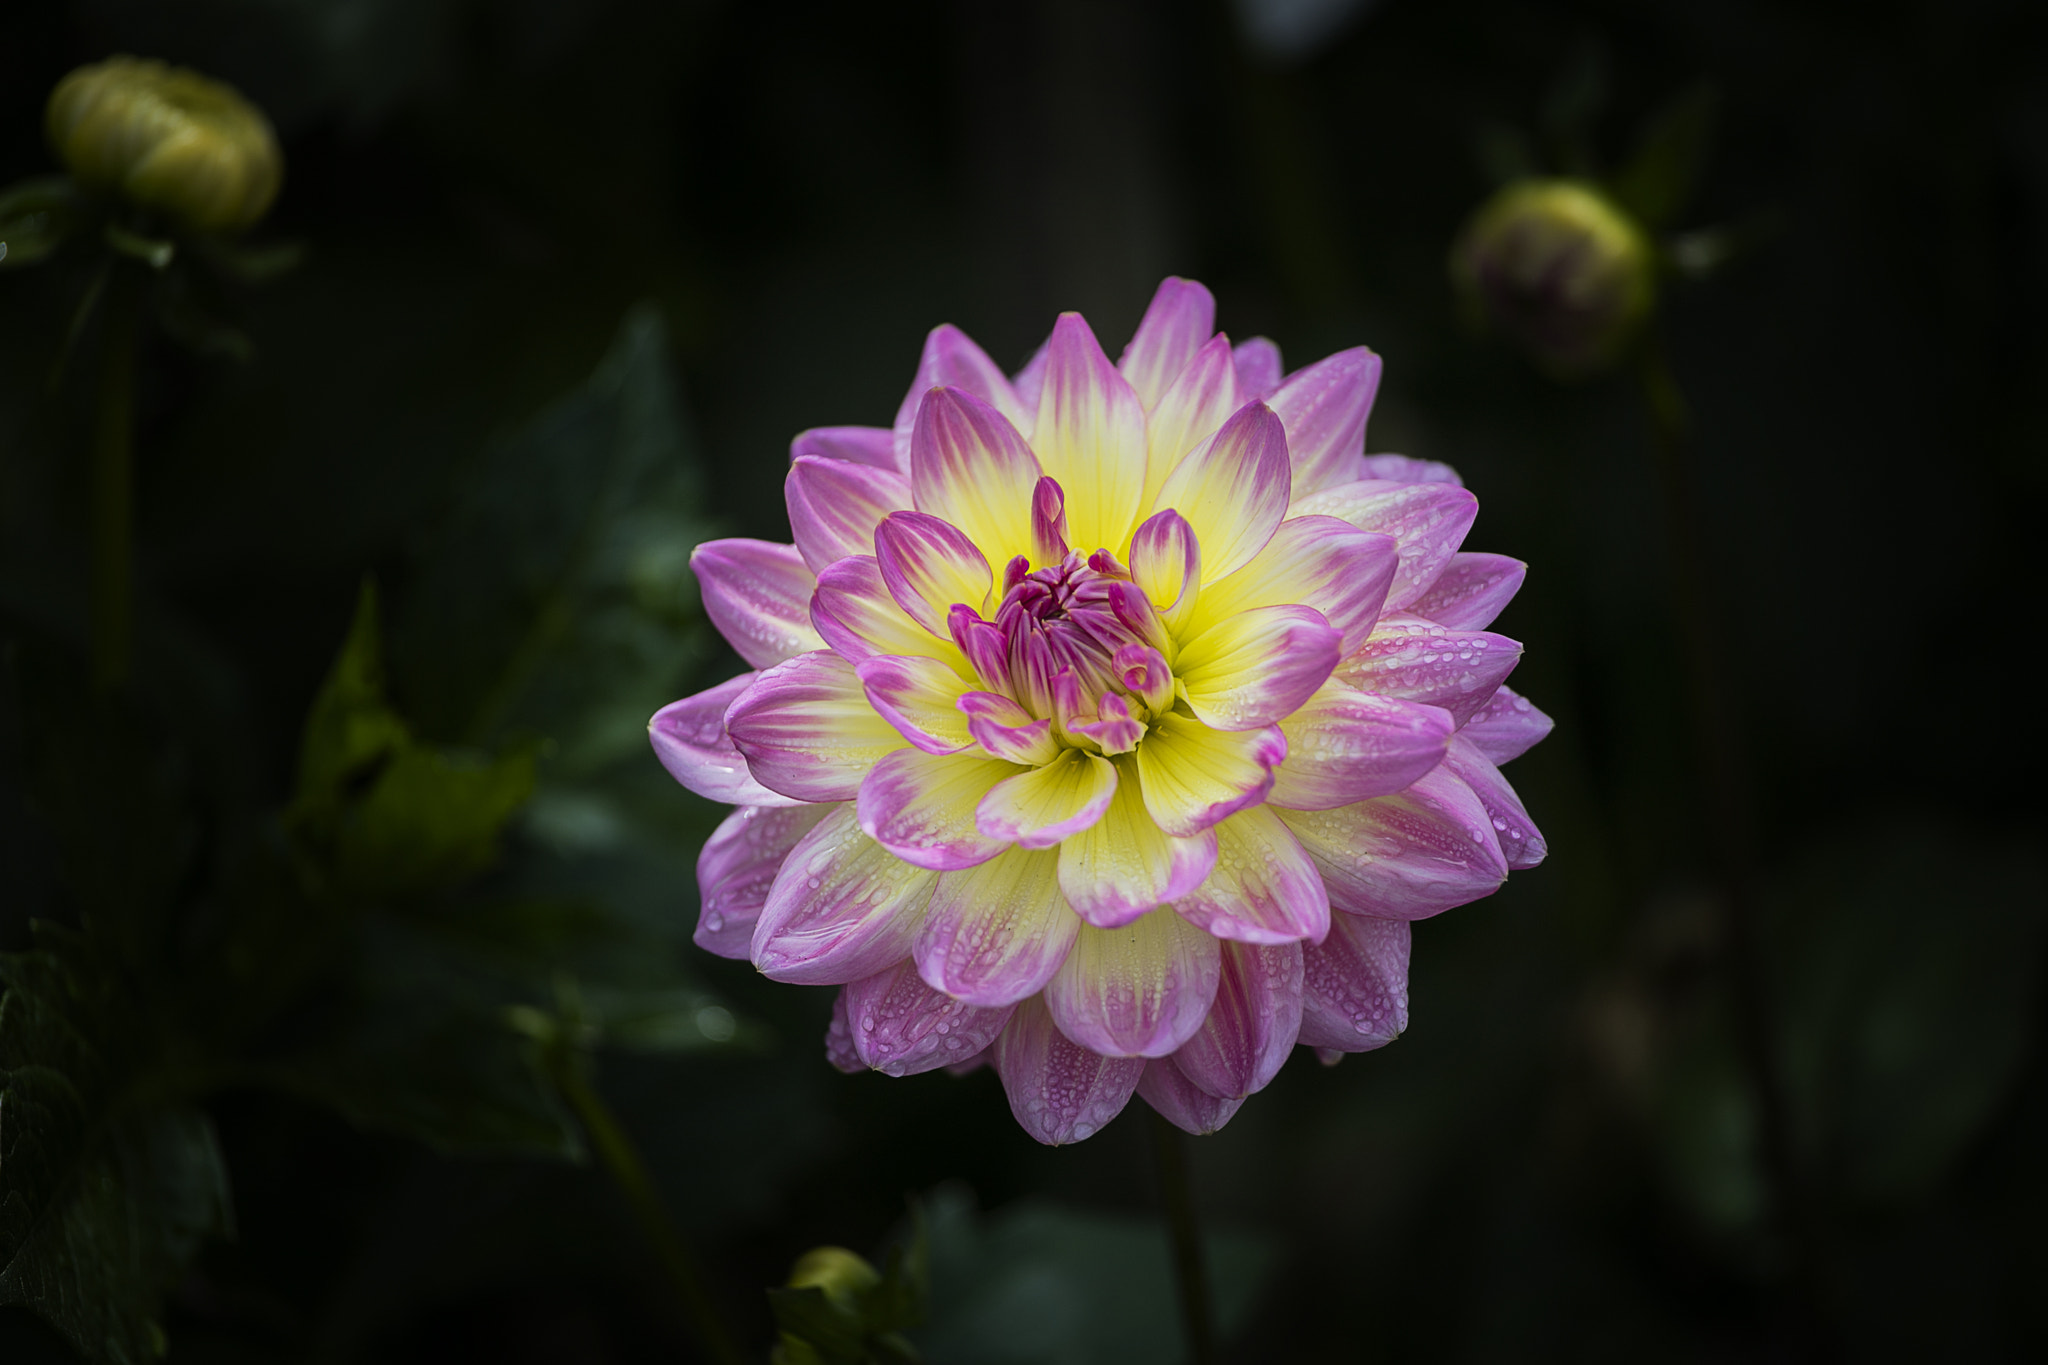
(113, 487)
(1717, 735)
(629, 1172)
(1190, 1273)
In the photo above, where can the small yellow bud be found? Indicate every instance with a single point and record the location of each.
(167, 139)
(842, 1274)
(1559, 267)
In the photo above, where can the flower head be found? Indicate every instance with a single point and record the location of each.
(167, 139)
(1111, 724)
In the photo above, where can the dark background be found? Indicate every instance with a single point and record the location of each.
(1560, 1158)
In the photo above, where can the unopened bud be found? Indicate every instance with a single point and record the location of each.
(168, 139)
(1559, 267)
(842, 1274)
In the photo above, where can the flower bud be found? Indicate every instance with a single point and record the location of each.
(1560, 268)
(842, 1274)
(168, 139)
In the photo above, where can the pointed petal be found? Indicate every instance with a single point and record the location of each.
(839, 1039)
(1136, 991)
(1006, 730)
(900, 1026)
(921, 807)
(759, 597)
(1418, 660)
(1124, 864)
(834, 507)
(1039, 808)
(1263, 888)
(1058, 1091)
(842, 907)
(1258, 367)
(738, 866)
(920, 698)
(862, 445)
(996, 933)
(853, 611)
(1324, 408)
(1233, 490)
(1090, 437)
(1166, 565)
(970, 468)
(1428, 522)
(690, 740)
(1407, 856)
(1403, 469)
(1198, 403)
(1508, 726)
(1180, 1103)
(1049, 543)
(1521, 843)
(928, 565)
(1179, 320)
(1471, 591)
(1194, 776)
(807, 730)
(951, 359)
(1318, 562)
(1245, 1040)
(1344, 745)
(1030, 380)
(1354, 988)
(1247, 671)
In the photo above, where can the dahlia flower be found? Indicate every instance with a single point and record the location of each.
(1111, 722)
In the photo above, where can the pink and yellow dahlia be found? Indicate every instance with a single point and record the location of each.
(1084, 697)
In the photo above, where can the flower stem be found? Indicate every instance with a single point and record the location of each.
(1190, 1273)
(1717, 735)
(622, 1160)
(113, 487)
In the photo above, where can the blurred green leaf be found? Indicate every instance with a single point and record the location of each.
(36, 216)
(1662, 176)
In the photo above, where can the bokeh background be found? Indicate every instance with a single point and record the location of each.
(575, 272)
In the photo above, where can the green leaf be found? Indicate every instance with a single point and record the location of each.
(1661, 178)
(36, 217)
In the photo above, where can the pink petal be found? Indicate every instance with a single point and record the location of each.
(738, 865)
(1418, 660)
(807, 730)
(1179, 1102)
(1258, 367)
(1030, 380)
(856, 616)
(996, 933)
(1324, 408)
(834, 507)
(1058, 1091)
(1344, 745)
(1123, 865)
(1263, 888)
(690, 740)
(1049, 544)
(1402, 469)
(1190, 412)
(1180, 319)
(1428, 522)
(1006, 730)
(1041, 807)
(1245, 1040)
(1354, 989)
(1521, 843)
(928, 565)
(1233, 489)
(900, 1026)
(921, 807)
(920, 698)
(842, 907)
(1193, 776)
(759, 597)
(1247, 671)
(1166, 564)
(1407, 856)
(1140, 990)
(970, 469)
(1471, 591)
(1091, 437)
(1318, 562)
(839, 1039)
(862, 445)
(1508, 726)
(950, 359)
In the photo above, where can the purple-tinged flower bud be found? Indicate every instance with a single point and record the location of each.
(167, 139)
(1560, 268)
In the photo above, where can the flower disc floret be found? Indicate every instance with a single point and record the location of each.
(1111, 722)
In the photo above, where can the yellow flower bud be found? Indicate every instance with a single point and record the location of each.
(842, 1274)
(168, 139)
(1559, 267)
